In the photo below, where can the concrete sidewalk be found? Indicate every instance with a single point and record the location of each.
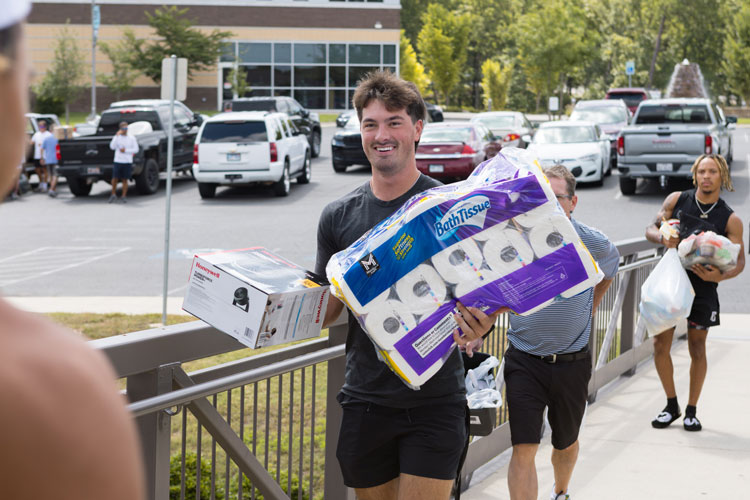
(623, 457)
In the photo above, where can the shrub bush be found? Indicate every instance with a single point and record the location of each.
(191, 468)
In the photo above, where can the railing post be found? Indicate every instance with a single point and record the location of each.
(334, 488)
(154, 429)
(628, 321)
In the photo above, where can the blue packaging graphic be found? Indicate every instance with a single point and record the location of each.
(497, 239)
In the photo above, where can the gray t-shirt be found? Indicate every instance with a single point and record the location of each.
(341, 224)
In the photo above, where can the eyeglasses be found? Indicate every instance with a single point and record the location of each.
(563, 196)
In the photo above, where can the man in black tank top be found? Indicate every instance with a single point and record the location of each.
(700, 209)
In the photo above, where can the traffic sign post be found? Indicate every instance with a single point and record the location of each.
(630, 71)
(95, 22)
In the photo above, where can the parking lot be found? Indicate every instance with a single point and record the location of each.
(85, 247)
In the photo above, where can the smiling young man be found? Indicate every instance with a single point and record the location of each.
(699, 209)
(395, 443)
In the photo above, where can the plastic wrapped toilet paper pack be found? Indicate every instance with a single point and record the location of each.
(497, 239)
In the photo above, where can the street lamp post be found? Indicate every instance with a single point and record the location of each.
(94, 35)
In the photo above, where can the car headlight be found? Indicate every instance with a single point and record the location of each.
(593, 157)
(337, 141)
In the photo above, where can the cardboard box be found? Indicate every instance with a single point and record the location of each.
(257, 297)
(63, 132)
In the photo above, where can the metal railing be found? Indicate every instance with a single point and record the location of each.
(274, 415)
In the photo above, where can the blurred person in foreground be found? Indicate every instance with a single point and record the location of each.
(699, 209)
(64, 430)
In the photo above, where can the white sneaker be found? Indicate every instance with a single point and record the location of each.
(558, 496)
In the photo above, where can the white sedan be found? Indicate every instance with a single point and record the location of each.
(580, 146)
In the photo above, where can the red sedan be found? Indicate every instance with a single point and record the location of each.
(454, 149)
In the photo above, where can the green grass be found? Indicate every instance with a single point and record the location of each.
(328, 117)
(743, 121)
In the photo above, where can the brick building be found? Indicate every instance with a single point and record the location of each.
(313, 50)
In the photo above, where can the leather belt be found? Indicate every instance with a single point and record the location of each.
(559, 358)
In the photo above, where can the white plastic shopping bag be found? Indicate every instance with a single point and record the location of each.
(666, 295)
(482, 390)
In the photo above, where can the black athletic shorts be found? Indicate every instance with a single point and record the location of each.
(122, 171)
(377, 443)
(533, 384)
(705, 311)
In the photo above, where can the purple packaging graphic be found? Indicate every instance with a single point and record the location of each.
(497, 239)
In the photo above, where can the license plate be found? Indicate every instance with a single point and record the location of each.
(663, 167)
(93, 170)
(436, 169)
(233, 157)
(233, 177)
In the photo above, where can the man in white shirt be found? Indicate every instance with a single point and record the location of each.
(124, 146)
(37, 140)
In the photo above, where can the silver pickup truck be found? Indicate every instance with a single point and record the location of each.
(667, 135)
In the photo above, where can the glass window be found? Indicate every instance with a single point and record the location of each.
(673, 113)
(109, 122)
(295, 108)
(234, 132)
(446, 134)
(310, 53)
(309, 76)
(356, 73)
(337, 76)
(389, 54)
(282, 52)
(282, 92)
(227, 52)
(337, 99)
(258, 76)
(259, 93)
(255, 52)
(311, 99)
(282, 106)
(364, 54)
(337, 54)
(392, 69)
(282, 76)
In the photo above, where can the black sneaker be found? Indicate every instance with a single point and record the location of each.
(665, 418)
(691, 423)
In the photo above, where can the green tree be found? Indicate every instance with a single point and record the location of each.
(410, 68)
(237, 78)
(63, 82)
(121, 79)
(495, 83)
(175, 35)
(736, 64)
(442, 44)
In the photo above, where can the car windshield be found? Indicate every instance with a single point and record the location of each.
(239, 131)
(446, 134)
(494, 122)
(673, 114)
(352, 122)
(263, 105)
(109, 123)
(564, 135)
(631, 98)
(599, 115)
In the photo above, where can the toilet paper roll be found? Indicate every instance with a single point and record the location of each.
(507, 252)
(387, 321)
(531, 218)
(551, 234)
(459, 262)
(422, 290)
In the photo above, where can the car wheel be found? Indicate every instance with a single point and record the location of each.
(306, 175)
(627, 185)
(207, 189)
(147, 182)
(339, 167)
(78, 186)
(283, 185)
(610, 166)
(315, 144)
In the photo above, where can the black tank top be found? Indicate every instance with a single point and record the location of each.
(691, 222)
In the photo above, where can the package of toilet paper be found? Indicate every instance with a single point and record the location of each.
(497, 239)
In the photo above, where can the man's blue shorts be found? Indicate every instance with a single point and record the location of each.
(122, 171)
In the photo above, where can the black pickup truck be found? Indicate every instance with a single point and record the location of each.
(87, 159)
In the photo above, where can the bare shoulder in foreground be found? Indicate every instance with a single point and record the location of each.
(65, 431)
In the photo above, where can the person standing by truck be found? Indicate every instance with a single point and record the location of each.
(699, 209)
(37, 139)
(50, 160)
(124, 146)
